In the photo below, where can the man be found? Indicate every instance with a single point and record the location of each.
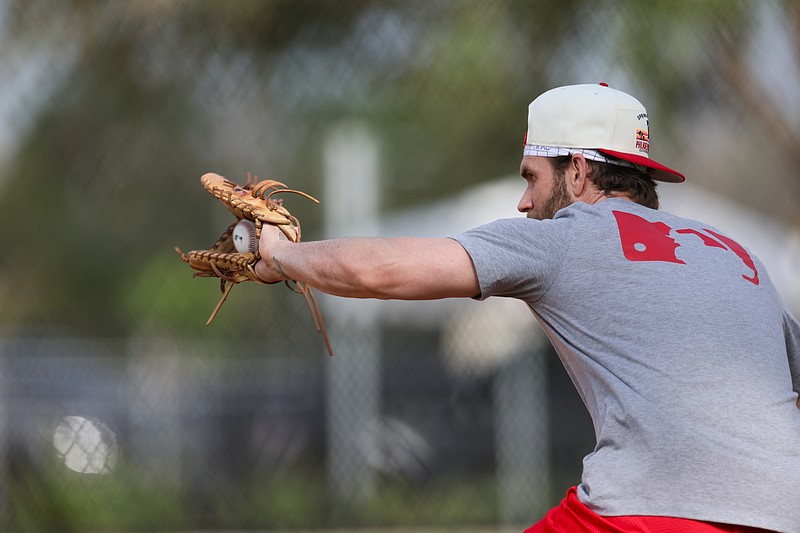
(672, 332)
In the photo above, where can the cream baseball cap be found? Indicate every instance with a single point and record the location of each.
(594, 119)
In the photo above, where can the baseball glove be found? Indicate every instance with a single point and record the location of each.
(254, 202)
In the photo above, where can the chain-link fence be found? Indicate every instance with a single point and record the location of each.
(121, 411)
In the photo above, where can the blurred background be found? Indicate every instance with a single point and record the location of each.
(120, 410)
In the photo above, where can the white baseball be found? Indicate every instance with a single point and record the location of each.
(244, 237)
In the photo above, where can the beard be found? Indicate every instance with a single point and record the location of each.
(559, 199)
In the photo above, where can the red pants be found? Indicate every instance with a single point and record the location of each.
(572, 516)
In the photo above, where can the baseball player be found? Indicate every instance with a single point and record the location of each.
(671, 330)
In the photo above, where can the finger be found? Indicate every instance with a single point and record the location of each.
(269, 235)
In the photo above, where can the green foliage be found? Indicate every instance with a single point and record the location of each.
(163, 297)
(91, 192)
(286, 500)
(675, 53)
(53, 499)
(460, 501)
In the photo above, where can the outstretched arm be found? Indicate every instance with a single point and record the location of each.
(402, 268)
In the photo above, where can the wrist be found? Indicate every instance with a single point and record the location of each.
(278, 270)
(270, 268)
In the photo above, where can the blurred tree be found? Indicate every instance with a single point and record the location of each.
(104, 175)
(457, 116)
(90, 185)
(697, 60)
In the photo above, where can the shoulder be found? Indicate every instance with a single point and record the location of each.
(617, 211)
(521, 230)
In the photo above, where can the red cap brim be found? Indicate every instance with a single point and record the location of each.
(661, 172)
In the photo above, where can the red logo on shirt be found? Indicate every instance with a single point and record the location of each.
(643, 240)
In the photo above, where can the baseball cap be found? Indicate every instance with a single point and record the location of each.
(594, 119)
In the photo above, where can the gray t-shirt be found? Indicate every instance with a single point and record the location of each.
(679, 345)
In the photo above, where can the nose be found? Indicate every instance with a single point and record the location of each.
(525, 204)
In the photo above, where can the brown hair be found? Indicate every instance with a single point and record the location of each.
(611, 178)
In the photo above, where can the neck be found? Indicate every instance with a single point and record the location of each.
(620, 195)
(595, 196)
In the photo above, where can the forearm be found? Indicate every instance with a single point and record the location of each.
(399, 268)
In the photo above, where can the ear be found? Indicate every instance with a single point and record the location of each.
(577, 183)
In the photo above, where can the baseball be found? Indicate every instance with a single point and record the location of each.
(244, 237)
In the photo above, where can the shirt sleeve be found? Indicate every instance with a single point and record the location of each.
(516, 257)
(791, 328)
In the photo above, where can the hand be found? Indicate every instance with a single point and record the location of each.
(268, 269)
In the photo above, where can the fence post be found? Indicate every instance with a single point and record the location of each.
(522, 436)
(155, 374)
(352, 198)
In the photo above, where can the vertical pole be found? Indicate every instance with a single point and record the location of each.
(522, 437)
(351, 199)
(156, 381)
(494, 336)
